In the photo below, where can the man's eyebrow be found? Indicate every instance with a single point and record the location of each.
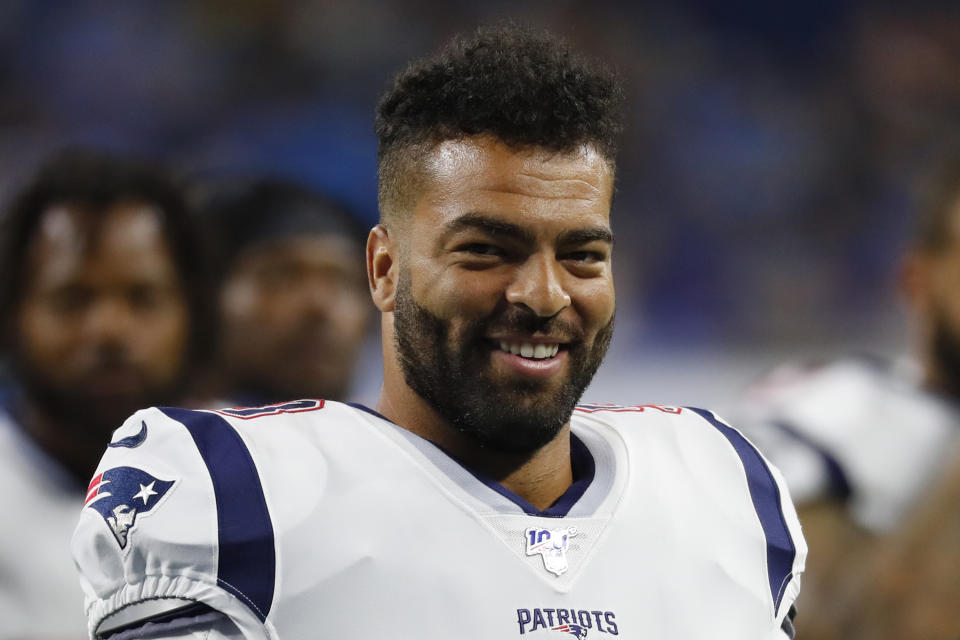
(500, 228)
(491, 226)
(585, 236)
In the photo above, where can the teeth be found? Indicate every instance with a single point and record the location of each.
(530, 350)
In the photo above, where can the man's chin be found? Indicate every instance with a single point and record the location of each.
(510, 419)
(521, 434)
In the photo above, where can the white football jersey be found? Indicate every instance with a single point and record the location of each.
(39, 595)
(319, 519)
(858, 428)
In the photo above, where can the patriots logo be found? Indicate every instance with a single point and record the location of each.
(120, 494)
(577, 631)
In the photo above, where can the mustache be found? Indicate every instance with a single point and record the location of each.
(516, 319)
(108, 358)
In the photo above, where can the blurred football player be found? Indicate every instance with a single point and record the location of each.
(100, 292)
(478, 500)
(293, 304)
(862, 439)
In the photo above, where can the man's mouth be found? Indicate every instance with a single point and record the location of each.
(535, 351)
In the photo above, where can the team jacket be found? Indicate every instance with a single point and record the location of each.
(316, 519)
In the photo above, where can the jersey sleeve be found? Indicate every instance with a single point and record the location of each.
(786, 548)
(784, 415)
(209, 625)
(855, 431)
(175, 514)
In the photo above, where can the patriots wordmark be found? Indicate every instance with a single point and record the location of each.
(576, 622)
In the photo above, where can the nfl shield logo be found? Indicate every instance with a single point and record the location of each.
(552, 545)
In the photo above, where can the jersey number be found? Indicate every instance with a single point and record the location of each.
(297, 406)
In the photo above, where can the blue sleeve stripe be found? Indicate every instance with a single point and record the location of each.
(781, 551)
(840, 486)
(247, 566)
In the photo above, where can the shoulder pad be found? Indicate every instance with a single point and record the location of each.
(176, 510)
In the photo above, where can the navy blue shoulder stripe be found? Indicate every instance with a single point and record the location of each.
(247, 566)
(781, 551)
(839, 483)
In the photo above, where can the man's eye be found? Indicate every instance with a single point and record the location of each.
(278, 276)
(71, 299)
(145, 297)
(586, 256)
(481, 249)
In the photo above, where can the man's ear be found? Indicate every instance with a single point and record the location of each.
(382, 267)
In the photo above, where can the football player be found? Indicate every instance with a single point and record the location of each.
(293, 303)
(101, 289)
(861, 439)
(477, 500)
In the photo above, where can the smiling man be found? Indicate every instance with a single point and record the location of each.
(478, 500)
(497, 291)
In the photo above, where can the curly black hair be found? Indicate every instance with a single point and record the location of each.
(525, 88)
(97, 180)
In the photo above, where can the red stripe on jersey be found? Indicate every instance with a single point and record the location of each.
(639, 408)
(94, 484)
(93, 489)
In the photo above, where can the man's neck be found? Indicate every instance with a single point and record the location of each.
(539, 478)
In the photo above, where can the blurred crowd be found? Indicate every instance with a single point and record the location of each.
(126, 288)
(187, 188)
(791, 132)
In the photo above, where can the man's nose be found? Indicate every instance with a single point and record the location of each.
(539, 286)
(110, 320)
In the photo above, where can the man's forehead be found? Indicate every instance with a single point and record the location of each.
(481, 166)
(68, 237)
(66, 225)
(456, 159)
(312, 249)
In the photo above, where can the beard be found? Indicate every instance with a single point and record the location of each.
(452, 373)
(72, 405)
(946, 353)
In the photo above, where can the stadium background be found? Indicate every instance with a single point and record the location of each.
(764, 186)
